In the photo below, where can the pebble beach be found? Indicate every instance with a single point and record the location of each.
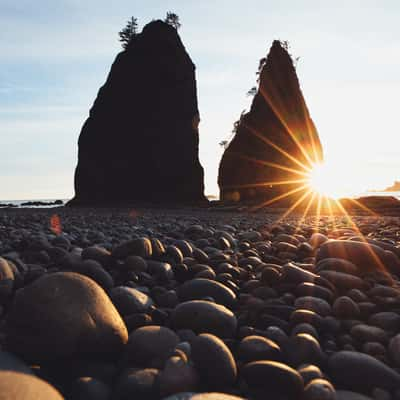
(198, 304)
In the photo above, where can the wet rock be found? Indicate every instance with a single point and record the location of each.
(6, 279)
(136, 247)
(214, 361)
(388, 321)
(204, 317)
(17, 385)
(274, 378)
(149, 345)
(203, 396)
(303, 349)
(368, 333)
(88, 388)
(347, 395)
(315, 304)
(61, 315)
(178, 376)
(311, 289)
(343, 281)
(358, 371)
(394, 349)
(128, 300)
(255, 348)
(309, 373)
(137, 383)
(367, 257)
(345, 308)
(198, 289)
(319, 389)
(9, 362)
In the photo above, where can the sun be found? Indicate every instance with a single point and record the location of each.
(328, 181)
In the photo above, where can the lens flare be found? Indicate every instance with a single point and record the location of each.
(328, 181)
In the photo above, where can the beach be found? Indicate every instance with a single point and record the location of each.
(150, 303)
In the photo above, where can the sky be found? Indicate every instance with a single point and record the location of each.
(55, 55)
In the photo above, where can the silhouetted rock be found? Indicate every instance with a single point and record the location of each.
(273, 140)
(140, 142)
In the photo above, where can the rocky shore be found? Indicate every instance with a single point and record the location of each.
(198, 304)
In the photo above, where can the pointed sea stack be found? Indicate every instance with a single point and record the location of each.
(140, 142)
(275, 142)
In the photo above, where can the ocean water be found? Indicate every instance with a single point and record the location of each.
(19, 202)
(210, 197)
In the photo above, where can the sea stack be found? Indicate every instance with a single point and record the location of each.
(275, 143)
(140, 142)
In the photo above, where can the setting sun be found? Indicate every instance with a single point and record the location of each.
(328, 180)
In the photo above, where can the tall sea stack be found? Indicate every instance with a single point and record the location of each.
(275, 142)
(140, 142)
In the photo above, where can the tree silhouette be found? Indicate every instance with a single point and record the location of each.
(173, 20)
(129, 32)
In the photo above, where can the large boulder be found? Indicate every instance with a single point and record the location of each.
(63, 315)
(19, 386)
(276, 142)
(140, 142)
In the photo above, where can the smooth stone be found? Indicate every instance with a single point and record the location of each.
(317, 239)
(388, 321)
(311, 289)
(95, 271)
(394, 349)
(305, 328)
(99, 254)
(128, 300)
(61, 315)
(357, 295)
(150, 343)
(20, 386)
(197, 289)
(284, 237)
(358, 371)
(255, 348)
(214, 361)
(203, 396)
(337, 264)
(347, 395)
(88, 388)
(137, 384)
(319, 389)
(6, 279)
(368, 333)
(315, 304)
(135, 247)
(204, 317)
(309, 372)
(293, 273)
(274, 378)
(178, 376)
(9, 362)
(303, 349)
(310, 317)
(367, 257)
(160, 270)
(342, 280)
(173, 255)
(135, 263)
(345, 308)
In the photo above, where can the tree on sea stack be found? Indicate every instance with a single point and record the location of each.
(173, 20)
(129, 32)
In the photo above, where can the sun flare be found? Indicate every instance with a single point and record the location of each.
(328, 181)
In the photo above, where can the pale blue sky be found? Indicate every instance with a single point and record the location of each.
(55, 54)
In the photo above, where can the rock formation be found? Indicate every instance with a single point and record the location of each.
(140, 142)
(275, 142)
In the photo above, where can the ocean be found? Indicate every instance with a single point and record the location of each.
(210, 197)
